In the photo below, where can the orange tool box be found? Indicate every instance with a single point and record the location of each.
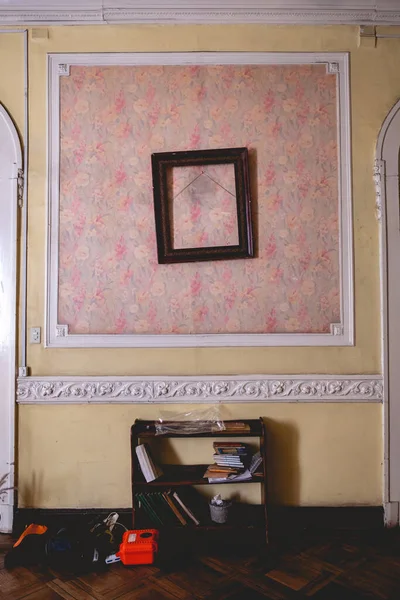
(138, 547)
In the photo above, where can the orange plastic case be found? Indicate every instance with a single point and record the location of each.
(138, 547)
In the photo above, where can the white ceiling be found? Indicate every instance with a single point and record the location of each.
(372, 12)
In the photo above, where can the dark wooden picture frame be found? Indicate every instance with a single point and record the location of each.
(162, 163)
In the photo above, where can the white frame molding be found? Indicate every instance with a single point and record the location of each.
(10, 182)
(386, 176)
(200, 390)
(341, 334)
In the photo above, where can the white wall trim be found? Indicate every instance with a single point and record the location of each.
(7, 517)
(192, 390)
(386, 176)
(391, 514)
(341, 334)
(10, 165)
(199, 11)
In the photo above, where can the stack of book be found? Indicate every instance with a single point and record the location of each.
(233, 462)
(167, 508)
(231, 454)
(230, 461)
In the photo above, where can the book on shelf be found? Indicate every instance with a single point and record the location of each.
(149, 468)
(168, 507)
(222, 468)
(231, 453)
(195, 502)
(229, 456)
(243, 476)
(255, 462)
(173, 508)
(238, 458)
(233, 448)
(217, 471)
(232, 427)
(155, 508)
(232, 462)
(142, 501)
(186, 509)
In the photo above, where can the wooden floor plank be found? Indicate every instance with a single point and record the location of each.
(378, 576)
(18, 579)
(299, 572)
(147, 591)
(45, 593)
(198, 579)
(69, 590)
(328, 566)
(115, 581)
(21, 593)
(341, 555)
(263, 585)
(237, 590)
(334, 591)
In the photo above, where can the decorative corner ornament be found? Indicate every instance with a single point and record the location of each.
(336, 329)
(367, 36)
(64, 69)
(379, 169)
(61, 330)
(333, 68)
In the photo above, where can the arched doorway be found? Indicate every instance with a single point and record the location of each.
(10, 164)
(386, 176)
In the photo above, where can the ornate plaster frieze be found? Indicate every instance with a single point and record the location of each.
(256, 388)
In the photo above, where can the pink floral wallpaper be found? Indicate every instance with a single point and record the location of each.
(204, 206)
(113, 118)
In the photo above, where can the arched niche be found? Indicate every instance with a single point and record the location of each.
(10, 164)
(386, 175)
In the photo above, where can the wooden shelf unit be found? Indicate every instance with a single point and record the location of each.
(244, 516)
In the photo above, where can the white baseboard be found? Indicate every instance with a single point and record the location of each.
(6, 518)
(391, 514)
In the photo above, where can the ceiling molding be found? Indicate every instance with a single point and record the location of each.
(300, 12)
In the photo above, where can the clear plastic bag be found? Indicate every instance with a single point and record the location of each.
(199, 420)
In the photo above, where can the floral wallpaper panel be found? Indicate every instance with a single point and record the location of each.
(114, 117)
(204, 206)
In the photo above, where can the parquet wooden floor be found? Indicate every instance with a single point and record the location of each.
(342, 565)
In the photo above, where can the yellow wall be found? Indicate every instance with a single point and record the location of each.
(321, 454)
(364, 357)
